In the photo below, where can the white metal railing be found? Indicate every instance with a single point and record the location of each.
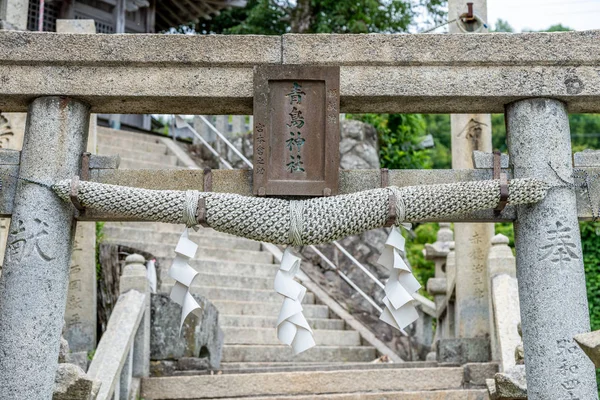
(123, 354)
(426, 305)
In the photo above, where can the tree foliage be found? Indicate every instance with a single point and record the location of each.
(276, 17)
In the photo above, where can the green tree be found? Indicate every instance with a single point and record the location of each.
(400, 137)
(502, 26)
(276, 17)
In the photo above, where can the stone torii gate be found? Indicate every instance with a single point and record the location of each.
(535, 78)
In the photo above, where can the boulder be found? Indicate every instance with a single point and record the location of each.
(72, 383)
(200, 337)
(63, 352)
(512, 384)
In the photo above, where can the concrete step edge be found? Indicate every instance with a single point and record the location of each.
(302, 383)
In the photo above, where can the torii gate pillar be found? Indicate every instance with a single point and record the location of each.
(552, 292)
(35, 276)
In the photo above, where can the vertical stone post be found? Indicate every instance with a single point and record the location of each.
(80, 314)
(15, 13)
(222, 125)
(552, 290)
(134, 278)
(449, 322)
(437, 286)
(34, 282)
(239, 125)
(470, 132)
(504, 302)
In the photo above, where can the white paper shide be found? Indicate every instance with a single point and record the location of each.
(184, 275)
(399, 309)
(292, 327)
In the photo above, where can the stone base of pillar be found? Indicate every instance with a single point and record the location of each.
(463, 351)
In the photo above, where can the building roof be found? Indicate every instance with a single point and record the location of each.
(172, 13)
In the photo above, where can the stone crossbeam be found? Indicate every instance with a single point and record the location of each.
(240, 182)
(195, 74)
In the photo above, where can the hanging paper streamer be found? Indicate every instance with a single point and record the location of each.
(184, 275)
(399, 310)
(292, 327)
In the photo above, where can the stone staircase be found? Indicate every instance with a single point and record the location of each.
(236, 275)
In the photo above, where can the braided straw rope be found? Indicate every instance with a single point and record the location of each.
(315, 220)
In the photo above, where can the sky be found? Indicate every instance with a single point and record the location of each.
(540, 14)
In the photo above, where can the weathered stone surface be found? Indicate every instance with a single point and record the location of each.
(471, 132)
(491, 387)
(552, 288)
(586, 158)
(590, 344)
(162, 368)
(113, 353)
(289, 383)
(193, 364)
(476, 374)
(436, 286)
(504, 301)
(481, 159)
(80, 314)
(200, 337)
(359, 147)
(72, 383)
(15, 13)
(75, 26)
(63, 352)
(33, 285)
(462, 351)
(511, 385)
(213, 73)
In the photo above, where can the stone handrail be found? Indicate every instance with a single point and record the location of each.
(123, 354)
(505, 313)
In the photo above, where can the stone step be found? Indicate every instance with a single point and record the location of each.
(203, 239)
(266, 309)
(167, 252)
(257, 321)
(268, 336)
(228, 281)
(420, 395)
(281, 353)
(235, 268)
(127, 144)
(238, 294)
(161, 227)
(103, 131)
(309, 384)
(256, 367)
(164, 227)
(162, 158)
(135, 164)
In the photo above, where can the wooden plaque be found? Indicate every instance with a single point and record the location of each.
(296, 130)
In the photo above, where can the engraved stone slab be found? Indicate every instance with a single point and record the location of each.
(296, 130)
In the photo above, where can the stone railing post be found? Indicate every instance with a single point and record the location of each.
(504, 302)
(449, 322)
(552, 289)
(134, 277)
(438, 252)
(34, 282)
